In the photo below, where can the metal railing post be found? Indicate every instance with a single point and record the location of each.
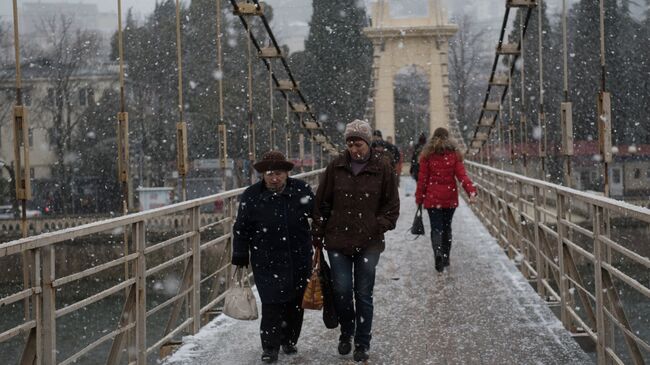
(48, 325)
(138, 233)
(598, 277)
(539, 264)
(565, 298)
(195, 302)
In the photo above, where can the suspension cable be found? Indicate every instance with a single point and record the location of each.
(566, 117)
(312, 131)
(251, 125)
(479, 139)
(272, 130)
(604, 113)
(541, 116)
(222, 134)
(523, 119)
(181, 126)
(21, 156)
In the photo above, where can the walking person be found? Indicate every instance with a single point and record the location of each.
(356, 202)
(441, 164)
(272, 228)
(415, 157)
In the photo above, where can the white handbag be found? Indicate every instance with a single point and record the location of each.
(240, 301)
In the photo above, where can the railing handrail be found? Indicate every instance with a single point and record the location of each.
(44, 239)
(628, 209)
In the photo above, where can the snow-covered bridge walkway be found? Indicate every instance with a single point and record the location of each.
(482, 312)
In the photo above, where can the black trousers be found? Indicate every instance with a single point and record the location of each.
(440, 220)
(281, 323)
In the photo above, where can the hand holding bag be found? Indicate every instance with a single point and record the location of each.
(418, 226)
(240, 301)
(313, 297)
(329, 312)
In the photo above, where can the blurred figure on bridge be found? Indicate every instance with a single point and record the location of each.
(356, 202)
(389, 150)
(272, 228)
(415, 158)
(441, 164)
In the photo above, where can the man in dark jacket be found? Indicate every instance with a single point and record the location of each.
(356, 202)
(272, 226)
(415, 158)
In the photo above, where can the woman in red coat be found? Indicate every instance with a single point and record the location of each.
(441, 163)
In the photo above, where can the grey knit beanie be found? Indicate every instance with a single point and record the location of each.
(359, 129)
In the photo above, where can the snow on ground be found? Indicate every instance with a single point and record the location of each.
(481, 312)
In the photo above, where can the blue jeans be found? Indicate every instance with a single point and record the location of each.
(440, 220)
(353, 300)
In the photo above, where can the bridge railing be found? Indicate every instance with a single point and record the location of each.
(585, 253)
(95, 296)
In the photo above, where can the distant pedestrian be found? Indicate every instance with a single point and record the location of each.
(415, 158)
(388, 150)
(356, 202)
(440, 165)
(272, 228)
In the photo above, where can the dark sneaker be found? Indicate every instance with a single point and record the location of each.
(345, 346)
(289, 349)
(360, 354)
(270, 356)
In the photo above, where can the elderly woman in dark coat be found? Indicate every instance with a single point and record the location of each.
(272, 227)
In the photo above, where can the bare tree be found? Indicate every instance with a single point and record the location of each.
(71, 50)
(468, 60)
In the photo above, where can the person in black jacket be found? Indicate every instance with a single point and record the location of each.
(415, 158)
(272, 228)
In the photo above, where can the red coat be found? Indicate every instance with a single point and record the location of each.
(437, 186)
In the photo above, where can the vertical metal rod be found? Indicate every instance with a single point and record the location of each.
(139, 240)
(598, 277)
(26, 262)
(602, 86)
(272, 130)
(287, 132)
(541, 115)
(179, 59)
(49, 306)
(251, 125)
(221, 125)
(522, 123)
(565, 65)
(19, 95)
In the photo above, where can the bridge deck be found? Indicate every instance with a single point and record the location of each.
(482, 312)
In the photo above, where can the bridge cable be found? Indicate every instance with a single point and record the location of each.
(541, 116)
(566, 107)
(318, 130)
(123, 139)
(480, 138)
(21, 154)
(523, 129)
(181, 126)
(222, 134)
(604, 106)
(251, 124)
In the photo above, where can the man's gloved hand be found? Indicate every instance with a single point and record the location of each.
(239, 260)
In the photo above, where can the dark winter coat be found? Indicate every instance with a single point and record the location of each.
(415, 161)
(363, 207)
(437, 180)
(274, 229)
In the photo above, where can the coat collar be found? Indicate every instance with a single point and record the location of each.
(373, 166)
(266, 194)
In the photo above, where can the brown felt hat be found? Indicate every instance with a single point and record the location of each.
(273, 160)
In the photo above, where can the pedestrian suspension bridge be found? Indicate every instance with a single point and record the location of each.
(537, 268)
